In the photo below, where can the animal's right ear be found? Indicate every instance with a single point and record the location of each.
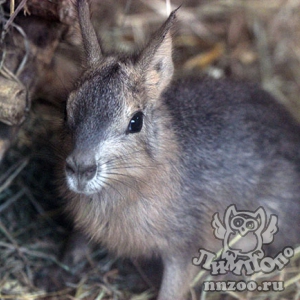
(260, 215)
(89, 38)
(155, 61)
(230, 212)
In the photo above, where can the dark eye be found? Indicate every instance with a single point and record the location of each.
(250, 225)
(136, 123)
(238, 222)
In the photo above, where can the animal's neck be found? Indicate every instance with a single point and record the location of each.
(123, 205)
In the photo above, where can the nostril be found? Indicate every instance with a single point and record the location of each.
(82, 167)
(90, 172)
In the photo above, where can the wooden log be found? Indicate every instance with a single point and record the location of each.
(13, 101)
(27, 58)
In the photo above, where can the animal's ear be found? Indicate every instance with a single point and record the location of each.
(155, 61)
(229, 213)
(260, 216)
(89, 38)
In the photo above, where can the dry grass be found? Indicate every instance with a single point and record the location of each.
(249, 40)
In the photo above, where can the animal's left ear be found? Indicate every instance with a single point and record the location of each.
(155, 62)
(260, 216)
(230, 212)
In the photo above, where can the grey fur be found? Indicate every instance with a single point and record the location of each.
(205, 144)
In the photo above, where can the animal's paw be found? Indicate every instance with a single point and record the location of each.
(229, 255)
(258, 254)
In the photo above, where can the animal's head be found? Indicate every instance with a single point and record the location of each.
(244, 222)
(113, 116)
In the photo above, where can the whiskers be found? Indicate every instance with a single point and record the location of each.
(125, 175)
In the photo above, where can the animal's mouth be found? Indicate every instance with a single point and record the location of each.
(84, 192)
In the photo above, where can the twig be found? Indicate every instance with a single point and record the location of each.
(27, 50)
(11, 200)
(12, 17)
(12, 6)
(186, 16)
(12, 240)
(11, 174)
(8, 74)
(168, 7)
(26, 45)
(39, 295)
(33, 253)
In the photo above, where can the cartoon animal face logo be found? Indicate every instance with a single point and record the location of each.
(244, 232)
(243, 224)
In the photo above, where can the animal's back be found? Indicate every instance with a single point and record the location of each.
(237, 145)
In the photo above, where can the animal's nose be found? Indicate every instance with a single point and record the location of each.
(82, 166)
